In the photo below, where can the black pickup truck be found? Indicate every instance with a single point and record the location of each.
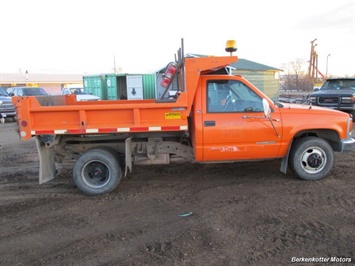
(336, 93)
(7, 109)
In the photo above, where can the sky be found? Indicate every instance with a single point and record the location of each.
(141, 36)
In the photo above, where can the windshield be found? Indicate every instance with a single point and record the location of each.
(339, 85)
(34, 91)
(78, 91)
(3, 92)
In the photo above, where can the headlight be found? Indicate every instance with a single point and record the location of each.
(313, 99)
(348, 99)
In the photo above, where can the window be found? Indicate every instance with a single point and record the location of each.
(225, 96)
(338, 84)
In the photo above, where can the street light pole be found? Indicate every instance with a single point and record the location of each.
(326, 72)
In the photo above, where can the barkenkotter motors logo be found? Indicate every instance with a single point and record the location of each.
(321, 259)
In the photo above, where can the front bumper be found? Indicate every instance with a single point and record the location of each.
(348, 145)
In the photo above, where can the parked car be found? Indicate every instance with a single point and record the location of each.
(26, 91)
(81, 94)
(336, 93)
(7, 109)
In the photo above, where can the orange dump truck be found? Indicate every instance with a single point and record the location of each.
(213, 117)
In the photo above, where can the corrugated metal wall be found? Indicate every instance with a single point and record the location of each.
(263, 80)
(149, 86)
(111, 87)
(95, 85)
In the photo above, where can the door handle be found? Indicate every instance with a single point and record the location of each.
(209, 123)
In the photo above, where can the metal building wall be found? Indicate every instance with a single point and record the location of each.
(263, 80)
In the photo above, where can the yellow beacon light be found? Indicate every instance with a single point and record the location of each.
(231, 46)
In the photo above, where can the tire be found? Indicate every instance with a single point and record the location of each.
(97, 172)
(311, 158)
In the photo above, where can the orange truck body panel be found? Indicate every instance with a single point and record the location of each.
(237, 137)
(98, 116)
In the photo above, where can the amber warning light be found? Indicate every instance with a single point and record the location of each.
(231, 46)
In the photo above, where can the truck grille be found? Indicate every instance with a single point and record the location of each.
(328, 100)
(7, 106)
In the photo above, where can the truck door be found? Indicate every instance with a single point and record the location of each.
(234, 125)
(134, 87)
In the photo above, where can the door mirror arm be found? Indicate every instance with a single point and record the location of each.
(267, 113)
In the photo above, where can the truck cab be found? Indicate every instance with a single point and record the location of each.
(336, 93)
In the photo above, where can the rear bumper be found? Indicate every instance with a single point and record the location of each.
(348, 145)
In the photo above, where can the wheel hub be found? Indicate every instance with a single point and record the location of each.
(98, 171)
(315, 160)
(96, 174)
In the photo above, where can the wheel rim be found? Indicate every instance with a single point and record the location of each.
(313, 160)
(96, 174)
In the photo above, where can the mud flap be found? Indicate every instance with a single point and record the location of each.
(128, 156)
(284, 162)
(47, 170)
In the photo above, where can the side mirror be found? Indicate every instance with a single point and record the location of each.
(11, 94)
(266, 107)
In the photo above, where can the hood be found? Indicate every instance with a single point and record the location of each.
(333, 92)
(309, 109)
(5, 98)
(87, 97)
(300, 106)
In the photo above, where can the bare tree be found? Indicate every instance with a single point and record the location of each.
(296, 78)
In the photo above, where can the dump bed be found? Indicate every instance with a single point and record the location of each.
(64, 115)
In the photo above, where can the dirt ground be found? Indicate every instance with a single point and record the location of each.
(186, 214)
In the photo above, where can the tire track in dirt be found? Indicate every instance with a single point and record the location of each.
(129, 235)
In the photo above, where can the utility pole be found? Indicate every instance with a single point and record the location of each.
(114, 64)
(312, 60)
(326, 71)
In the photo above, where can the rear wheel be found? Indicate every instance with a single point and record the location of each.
(97, 172)
(311, 158)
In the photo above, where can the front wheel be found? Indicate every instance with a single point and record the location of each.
(311, 158)
(97, 172)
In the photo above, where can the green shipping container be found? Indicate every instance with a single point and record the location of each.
(111, 86)
(95, 85)
(114, 86)
(149, 86)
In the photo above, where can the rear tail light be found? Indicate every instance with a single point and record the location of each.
(23, 123)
